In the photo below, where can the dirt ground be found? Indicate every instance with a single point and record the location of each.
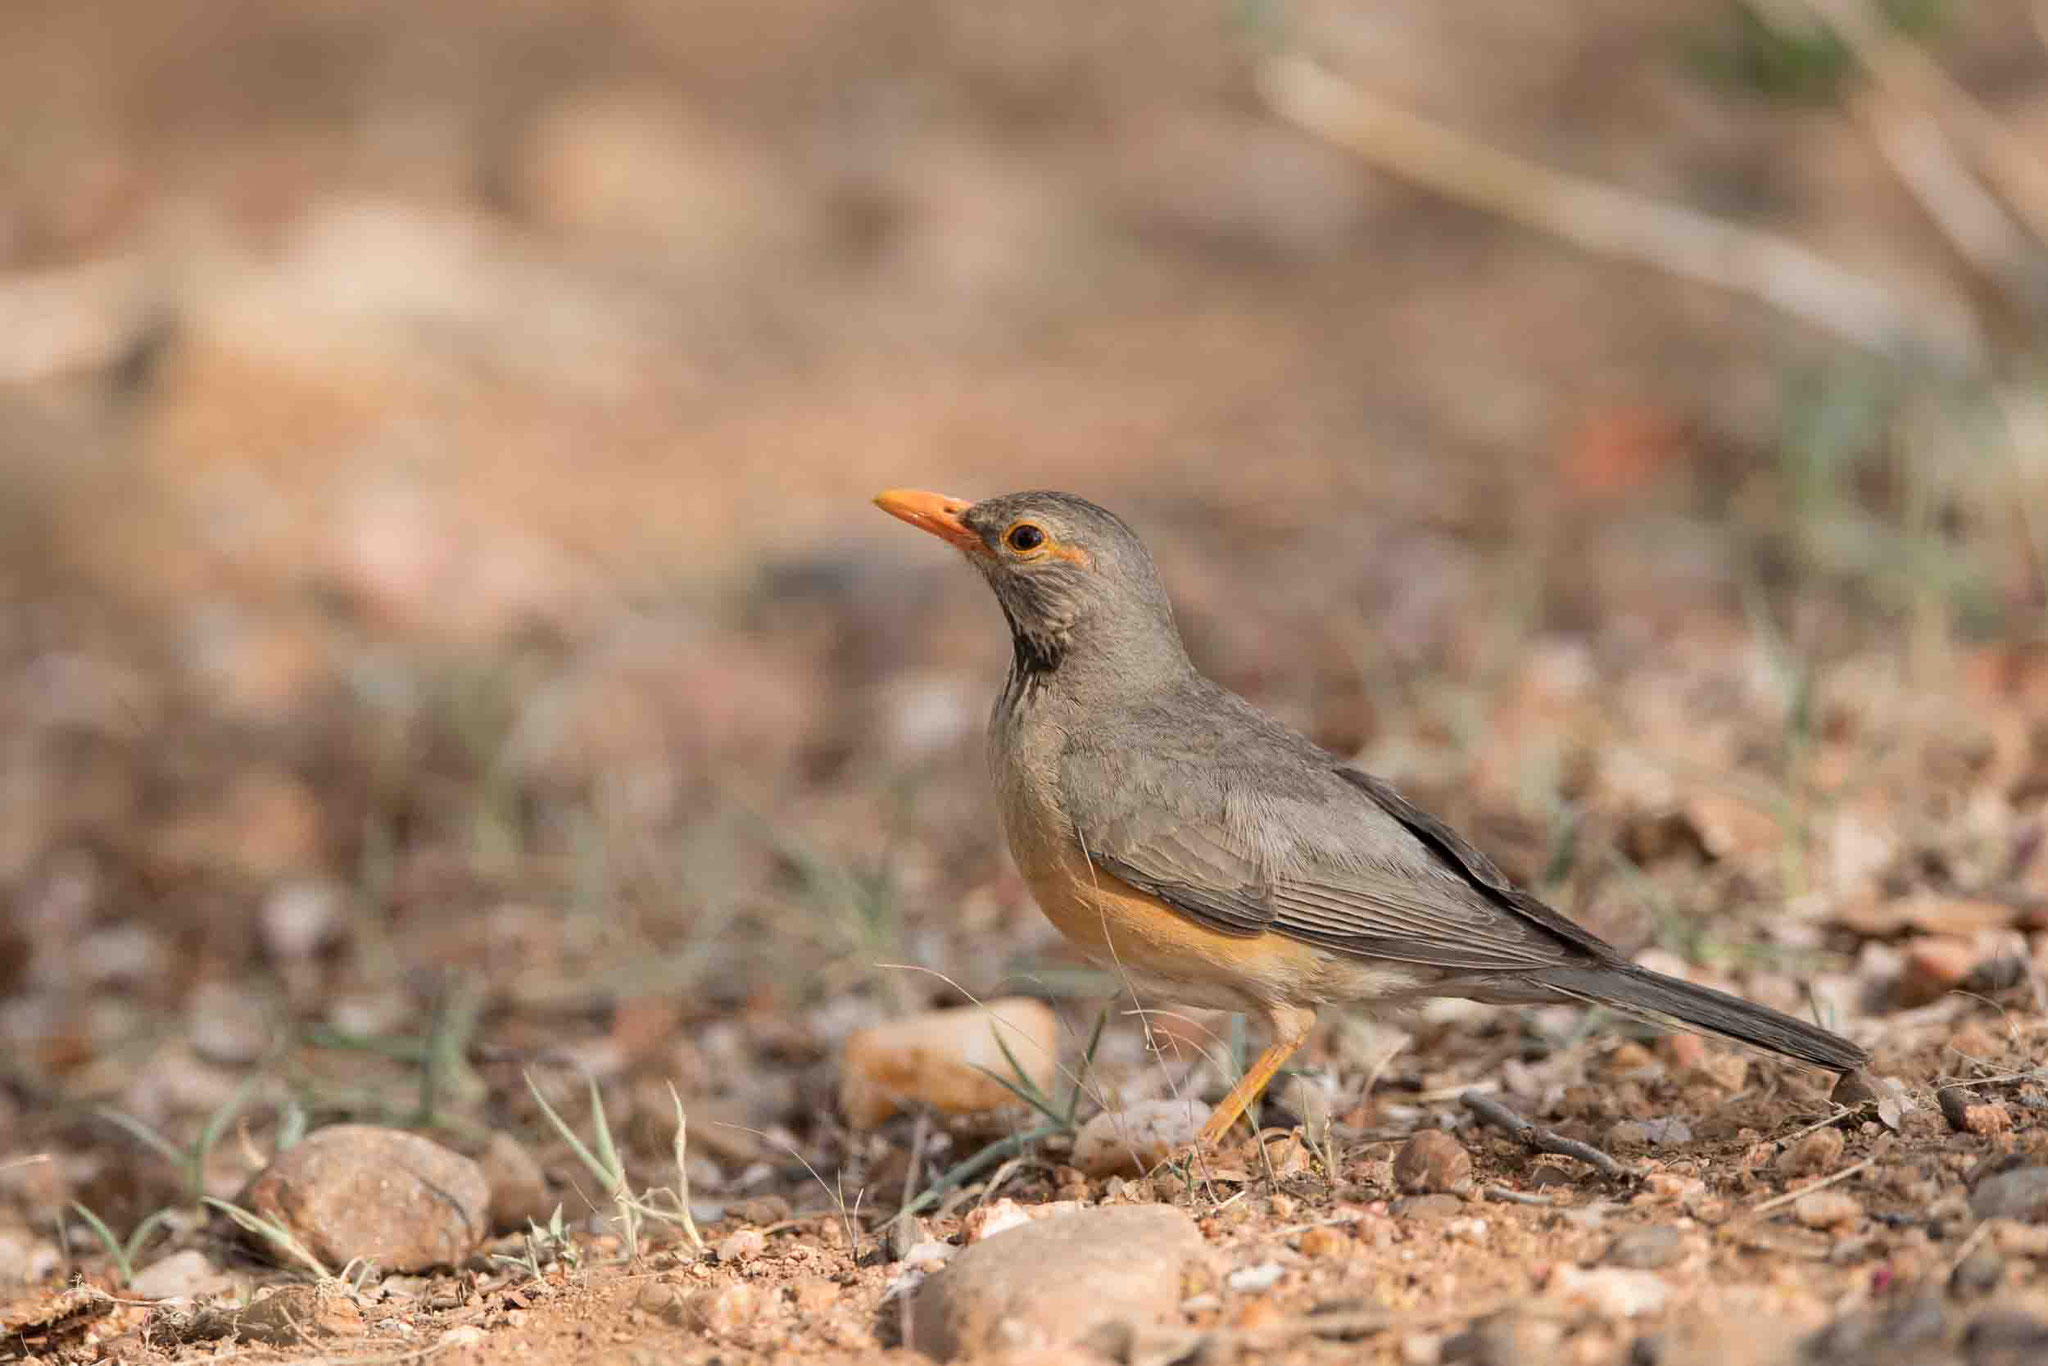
(445, 641)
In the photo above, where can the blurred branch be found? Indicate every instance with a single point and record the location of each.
(1611, 222)
(1898, 65)
(1975, 223)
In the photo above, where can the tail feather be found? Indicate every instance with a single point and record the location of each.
(1669, 1002)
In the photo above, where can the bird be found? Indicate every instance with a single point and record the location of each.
(1212, 856)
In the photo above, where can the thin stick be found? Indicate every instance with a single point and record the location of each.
(1508, 1197)
(1907, 72)
(1530, 1136)
(1777, 1201)
(1819, 1124)
(1612, 222)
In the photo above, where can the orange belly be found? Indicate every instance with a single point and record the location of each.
(1119, 927)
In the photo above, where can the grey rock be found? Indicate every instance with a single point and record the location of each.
(2021, 1193)
(1647, 1249)
(1977, 1274)
(1053, 1281)
(2005, 1337)
(358, 1191)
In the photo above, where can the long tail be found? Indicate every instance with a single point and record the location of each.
(1669, 1002)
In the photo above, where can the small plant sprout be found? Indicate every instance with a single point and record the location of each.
(605, 1164)
(122, 1254)
(191, 1160)
(543, 1246)
(277, 1235)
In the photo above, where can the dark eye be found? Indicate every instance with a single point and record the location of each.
(1025, 536)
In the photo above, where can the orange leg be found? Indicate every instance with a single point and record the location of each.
(1291, 1025)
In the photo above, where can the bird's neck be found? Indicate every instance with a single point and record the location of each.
(1082, 659)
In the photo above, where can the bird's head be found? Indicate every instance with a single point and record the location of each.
(1074, 582)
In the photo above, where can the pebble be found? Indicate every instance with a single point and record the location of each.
(1137, 1138)
(987, 1220)
(1827, 1209)
(721, 1309)
(1967, 1113)
(1324, 1241)
(1814, 1155)
(1646, 1249)
(228, 1026)
(742, 1246)
(359, 1191)
(937, 1058)
(1610, 1291)
(1432, 1161)
(1252, 1279)
(519, 1189)
(298, 1313)
(181, 1275)
(2018, 1194)
(2005, 1337)
(299, 919)
(1427, 1207)
(1979, 1273)
(1051, 1281)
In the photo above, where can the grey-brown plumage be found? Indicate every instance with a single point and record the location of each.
(1188, 840)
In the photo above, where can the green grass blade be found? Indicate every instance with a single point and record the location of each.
(583, 1154)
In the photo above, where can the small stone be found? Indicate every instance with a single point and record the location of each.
(1425, 1208)
(1827, 1209)
(293, 1314)
(1510, 1338)
(1667, 1132)
(1052, 1281)
(722, 1309)
(519, 1189)
(2005, 1337)
(299, 919)
(1137, 1138)
(1324, 1241)
(1610, 1291)
(1814, 1155)
(2020, 1194)
(181, 1275)
(1433, 1161)
(1422, 1349)
(988, 1220)
(356, 1191)
(462, 1335)
(937, 1059)
(1252, 1279)
(228, 1025)
(1968, 1113)
(904, 1232)
(1647, 1249)
(1979, 1273)
(1931, 968)
(742, 1246)
(1257, 1315)
(814, 1295)
(662, 1299)
(1628, 1133)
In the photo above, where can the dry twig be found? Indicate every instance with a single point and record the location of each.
(1541, 1140)
(1778, 1201)
(1613, 222)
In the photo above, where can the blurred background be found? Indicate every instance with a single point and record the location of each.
(443, 630)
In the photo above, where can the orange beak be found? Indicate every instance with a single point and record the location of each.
(933, 512)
